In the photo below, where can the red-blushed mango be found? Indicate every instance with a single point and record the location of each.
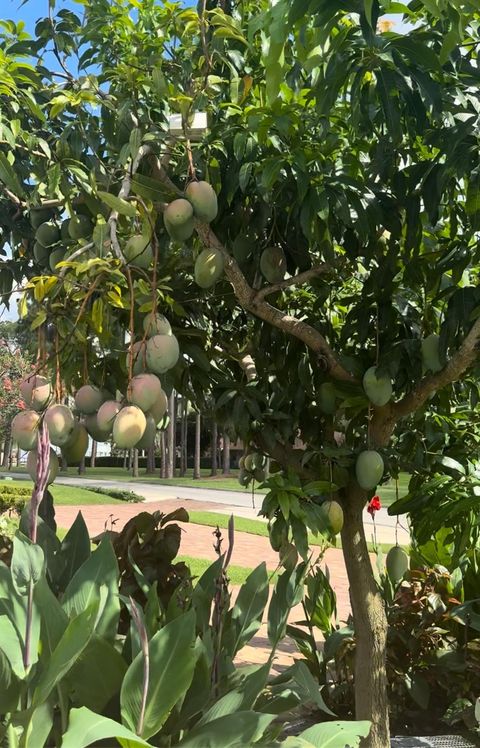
(106, 415)
(332, 514)
(369, 469)
(60, 424)
(273, 264)
(159, 408)
(162, 353)
(94, 430)
(129, 427)
(148, 437)
(139, 352)
(76, 448)
(208, 268)
(144, 390)
(178, 219)
(88, 399)
(25, 429)
(204, 200)
(378, 387)
(156, 324)
(32, 459)
(138, 251)
(36, 392)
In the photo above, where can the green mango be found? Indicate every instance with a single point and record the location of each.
(369, 469)
(397, 564)
(431, 353)
(326, 398)
(378, 389)
(332, 514)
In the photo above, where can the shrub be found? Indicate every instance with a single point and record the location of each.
(118, 493)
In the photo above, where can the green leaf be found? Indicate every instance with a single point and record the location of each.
(39, 319)
(54, 620)
(38, 729)
(151, 189)
(336, 734)
(11, 646)
(9, 177)
(118, 204)
(240, 729)
(171, 671)
(101, 569)
(27, 563)
(72, 643)
(450, 464)
(85, 728)
(245, 618)
(97, 675)
(75, 550)
(11, 686)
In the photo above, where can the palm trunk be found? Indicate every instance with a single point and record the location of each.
(81, 467)
(125, 458)
(171, 437)
(226, 454)
(214, 448)
(198, 428)
(163, 456)
(371, 700)
(151, 460)
(93, 455)
(135, 463)
(184, 438)
(6, 451)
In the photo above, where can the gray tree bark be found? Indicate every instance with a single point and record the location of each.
(151, 460)
(93, 455)
(171, 437)
(163, 456)
(184, 438)
(226, 454)
(135, 463)
(198, 430)
(81, 467)
(7, 447)
(214, 448)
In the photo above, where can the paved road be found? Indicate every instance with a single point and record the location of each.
(240, 502)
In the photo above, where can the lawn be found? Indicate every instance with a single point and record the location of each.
(71, 495)
(236, 574)
(386, 492)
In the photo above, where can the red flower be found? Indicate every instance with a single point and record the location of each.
(374, 505)
(21, 405)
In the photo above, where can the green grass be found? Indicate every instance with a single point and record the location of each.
(70, 495)
(219, 482)
(257, 527)
(236, 574)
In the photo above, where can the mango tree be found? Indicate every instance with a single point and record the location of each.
(330, 297)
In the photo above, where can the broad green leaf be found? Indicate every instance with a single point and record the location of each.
(11, 686)
(232, 730)
(27, 563)
(75, 550)
(86, 728)
(38, 728)
(39, 319)
(11, 646)
(151, 189)
(97, 675)
(336, 734)
(245, 618)
(171, 671)
(74, 640)
(100, 569)
(54, 620)
(118, 204)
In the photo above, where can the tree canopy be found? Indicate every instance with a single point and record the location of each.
(350, 148)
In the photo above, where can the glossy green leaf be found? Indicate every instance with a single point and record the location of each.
(86, 728)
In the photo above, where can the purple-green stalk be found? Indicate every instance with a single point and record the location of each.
(146, 662)
(41, 482)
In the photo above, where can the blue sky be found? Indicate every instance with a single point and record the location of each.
(33, 10)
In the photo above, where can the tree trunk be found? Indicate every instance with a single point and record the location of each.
(63, 463)
(163, 456)
(214, 448)
(18, 456)
(151, 460)
(171, 437)
(93, 455)
(196, 463)
(130, 460)
(370, 623)
(135, 463)
(6, 451)
(125, 457)
(184, 439)
(226, 454)
(81, 467)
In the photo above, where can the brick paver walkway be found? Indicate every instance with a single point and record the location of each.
(197, 541)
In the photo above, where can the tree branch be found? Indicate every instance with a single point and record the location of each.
(247, 297)
(455, 367)
(295, 280)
